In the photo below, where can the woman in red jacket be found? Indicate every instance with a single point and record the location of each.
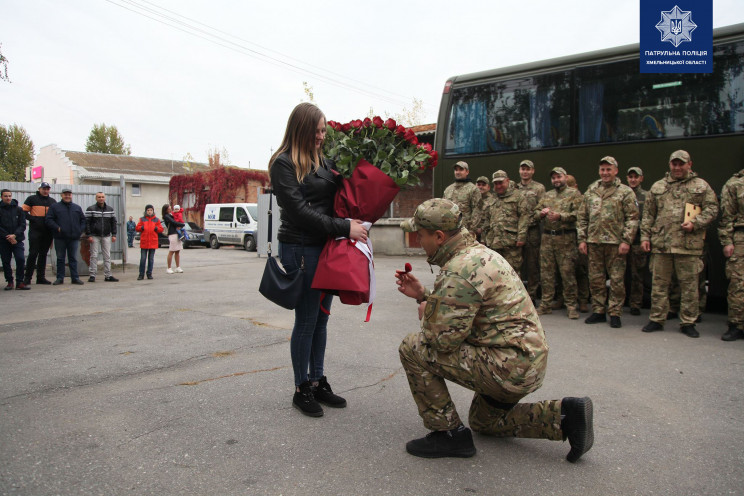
(149, 226)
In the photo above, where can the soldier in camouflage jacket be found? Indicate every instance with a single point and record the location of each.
(480, 330)
(731, 234)
(466, 195)
(675, 241)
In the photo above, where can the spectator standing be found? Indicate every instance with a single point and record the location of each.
(731, 234)
(40, 236)
(174, 239)
(532, 247)
(558, 209)
(149, 226)
(466, 195)
(131, 230)
(12, 234)
(676, 239)
(100, 227)
(67, 221)
(607, 223)
(638, 258)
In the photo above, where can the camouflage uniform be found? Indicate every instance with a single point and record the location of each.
(507, 218)
(479, 330)
(638, 257)
(607, 218)
(558, 246)
(731, 232)
(485, 204)
(467, 197)
(674, 250)
(532, 248)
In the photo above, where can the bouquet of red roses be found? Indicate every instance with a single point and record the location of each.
(376, 158)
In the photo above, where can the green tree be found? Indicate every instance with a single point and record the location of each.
(16, 153)
(106, 139)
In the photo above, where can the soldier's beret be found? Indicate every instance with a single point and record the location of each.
(436, 214)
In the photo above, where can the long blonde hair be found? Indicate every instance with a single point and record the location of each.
(299, 139)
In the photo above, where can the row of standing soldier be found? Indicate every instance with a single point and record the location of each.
(569, 244)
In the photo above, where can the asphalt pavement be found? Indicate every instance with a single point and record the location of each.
(183, 385)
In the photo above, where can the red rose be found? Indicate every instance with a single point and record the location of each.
(377, 121)
(367, 122)
(345, 127)
(408, 267)
(391, 124)
(426, 147)
(434, 158)
(356, 123)
(410, 136)
(400, 130)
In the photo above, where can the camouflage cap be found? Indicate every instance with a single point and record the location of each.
(482, 179)
(608, 160)
(462, 164)
(436, 214)
(680, 155)
(558, 170)
(637, 170)
(527, 163)
(499, 176)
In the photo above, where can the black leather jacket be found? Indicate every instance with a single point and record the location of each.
(310, 218)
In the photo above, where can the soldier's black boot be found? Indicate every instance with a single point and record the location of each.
(652, 327)
(305, 402)
(324, 394)
(689, 331)
(577, 424)
(733, 333)
(596, 317)
(457, 442)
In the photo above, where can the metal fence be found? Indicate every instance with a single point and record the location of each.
(85, 196)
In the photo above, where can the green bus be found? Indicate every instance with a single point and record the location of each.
(573, 110)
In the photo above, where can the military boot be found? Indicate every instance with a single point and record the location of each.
(572, 313)
(457, 442)
(733, 333)
(544, 310)
(577, 424)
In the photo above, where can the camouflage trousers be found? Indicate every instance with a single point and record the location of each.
(604, 260)
(638, 260)
(513, 255)
(675, 293)
(582, 278)
(531, 264)
(558, 251)
(735, 274)
(500, 414)
(687, 269)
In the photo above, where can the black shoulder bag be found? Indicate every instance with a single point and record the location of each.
(276, 285)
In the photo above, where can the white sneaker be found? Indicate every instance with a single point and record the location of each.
(179, 269)
(169, 271)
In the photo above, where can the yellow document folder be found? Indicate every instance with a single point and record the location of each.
(691, 211)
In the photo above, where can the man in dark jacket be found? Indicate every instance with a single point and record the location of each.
(12, 229)
(39, 236)
(100, 226)
(67, 222)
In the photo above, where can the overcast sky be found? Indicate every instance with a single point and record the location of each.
(75, 63)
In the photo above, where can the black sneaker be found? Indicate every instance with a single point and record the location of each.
(456, 442)
(635, 311)
(92, 279)
(596, 317)
(324, 394)
(689, 331)
(733, 333)
(305, 402)
(652, 327)
(78, 282)
(615, 321)
(111, 279)
(149, 276)
(140, 277)
(577, 425)
(58, 282)
(40, 281)
(9, 286)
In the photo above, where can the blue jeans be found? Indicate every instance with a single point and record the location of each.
(149, 256)
(69, 247)
(7, 252)
(308, 343)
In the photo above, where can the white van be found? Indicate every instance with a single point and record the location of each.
(231, 224)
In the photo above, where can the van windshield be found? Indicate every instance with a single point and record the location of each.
(253, 210)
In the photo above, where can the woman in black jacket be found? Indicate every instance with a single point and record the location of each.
(305, 186)
(174, 243)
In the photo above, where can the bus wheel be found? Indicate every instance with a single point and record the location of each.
(249, 243)
(214, 243)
